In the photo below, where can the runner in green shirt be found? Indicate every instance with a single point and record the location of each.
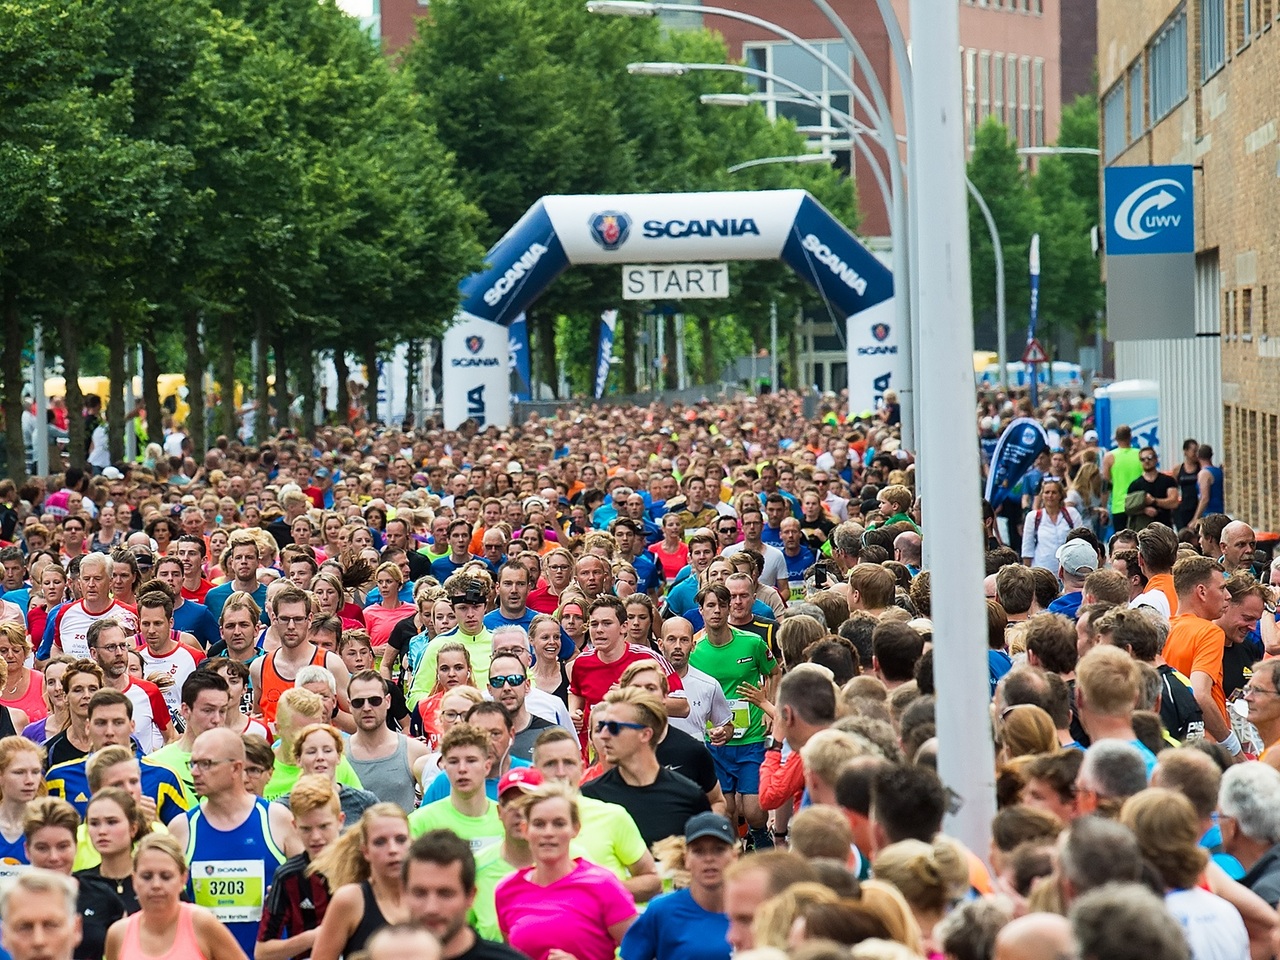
(464, 756)
(743, 665)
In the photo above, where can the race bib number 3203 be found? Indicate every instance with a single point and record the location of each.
(232, 889)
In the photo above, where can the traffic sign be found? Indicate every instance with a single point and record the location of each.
(1034, 353)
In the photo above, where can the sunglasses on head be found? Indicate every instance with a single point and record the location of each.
(374, 701)
(616, 726)
(511, 679)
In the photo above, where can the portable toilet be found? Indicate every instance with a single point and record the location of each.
(1132, 402)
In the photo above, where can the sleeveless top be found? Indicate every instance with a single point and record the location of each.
(371, 921)
(1189, 488)
(273, 685)
(1216, 503)
(389, 777)
(32, 702)
(13, 856)
(231, 870)
(1126, 467)
(6, 723)
(185, 945)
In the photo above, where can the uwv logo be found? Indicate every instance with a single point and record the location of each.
(1139, 215)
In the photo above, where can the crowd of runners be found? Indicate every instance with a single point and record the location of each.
(646, 682)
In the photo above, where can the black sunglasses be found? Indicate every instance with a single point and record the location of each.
(359, 702)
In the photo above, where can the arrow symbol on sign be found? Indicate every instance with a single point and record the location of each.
(1129, 215)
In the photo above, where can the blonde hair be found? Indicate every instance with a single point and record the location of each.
(295, 701)
(49, 812)
(453, 646)
(887, 902)
(1026, 730)
(827, 753)
(343, 862)
(775, 917)
(552, 791)
(14, 632)
(390, 568)
(929, 876)
(165, 844)
(102, 761)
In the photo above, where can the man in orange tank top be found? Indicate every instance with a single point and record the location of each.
(1196, 643)
(273, 674)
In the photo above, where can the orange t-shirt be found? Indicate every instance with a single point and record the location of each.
(1196, 644)
(1164, 583)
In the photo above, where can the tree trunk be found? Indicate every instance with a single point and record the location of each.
(227, 376)
(151, 388)
(669, 367)
(793, 350)
(307, 382)
(261, 423)
(342, 401)
(116, 375)
(708, 350)
(371, 374)
(545, 325)
(413, 363)
(628, 324)
(281, 391)
(195, 383)
(69, 330)
(11, 371)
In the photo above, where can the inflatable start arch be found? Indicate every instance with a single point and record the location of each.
(558, 232)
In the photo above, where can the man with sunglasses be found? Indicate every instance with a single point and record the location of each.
(661, 801)
(383, 759)
(509, 686)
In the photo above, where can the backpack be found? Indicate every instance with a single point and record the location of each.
(1035, 542)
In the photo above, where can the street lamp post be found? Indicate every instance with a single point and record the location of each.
(884, 121)
(799, 158)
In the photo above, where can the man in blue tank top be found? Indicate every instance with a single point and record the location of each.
(234, 841)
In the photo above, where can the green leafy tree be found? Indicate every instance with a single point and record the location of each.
(997, 172)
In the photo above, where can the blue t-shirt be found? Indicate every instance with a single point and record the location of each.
(680, 598)
(674, 927)
(22, 597)
(1068, 604)
(648, 572)
(439, 788)
(195, 619)
(771, 536)
(495, 619)
(444, 568)
(215, 598)
(797, 565)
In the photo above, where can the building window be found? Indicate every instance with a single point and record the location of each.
(1245, 22)
(1024, 100)
(1011, 93)
(1168, 61)
(801, 68)
(970, 93)
(997, 87)
(984, 85)
(1136, 101)
(1213, 37)
(1113, 136)
(1037, 79)
(1246, 312)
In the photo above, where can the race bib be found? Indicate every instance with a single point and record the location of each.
(232, 889)
(741, 717)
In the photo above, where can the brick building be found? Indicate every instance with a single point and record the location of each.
(1194, 82)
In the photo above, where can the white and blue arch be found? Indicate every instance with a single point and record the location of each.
(561, 231)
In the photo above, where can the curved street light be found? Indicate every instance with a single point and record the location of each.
(799, 158)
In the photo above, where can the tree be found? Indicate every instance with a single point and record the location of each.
(994, 168)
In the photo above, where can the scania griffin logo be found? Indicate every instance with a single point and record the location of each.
(475, 344)
(880, 331)
(610, 228)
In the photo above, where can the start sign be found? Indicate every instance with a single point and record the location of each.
(675, 281)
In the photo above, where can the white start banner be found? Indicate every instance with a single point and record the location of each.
(477, 383)
(675, 281)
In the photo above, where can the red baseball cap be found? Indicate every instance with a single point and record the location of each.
(523, 778)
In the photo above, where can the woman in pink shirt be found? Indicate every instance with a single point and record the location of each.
(382, 616)
(561, 899)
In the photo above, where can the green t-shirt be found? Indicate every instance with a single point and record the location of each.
(480, 647)
(744, 659)
(286, 775)
(172, 755)
(481, 832)
(609, 837)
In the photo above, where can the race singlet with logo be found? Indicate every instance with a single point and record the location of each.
(231, 870)
(13, 858)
